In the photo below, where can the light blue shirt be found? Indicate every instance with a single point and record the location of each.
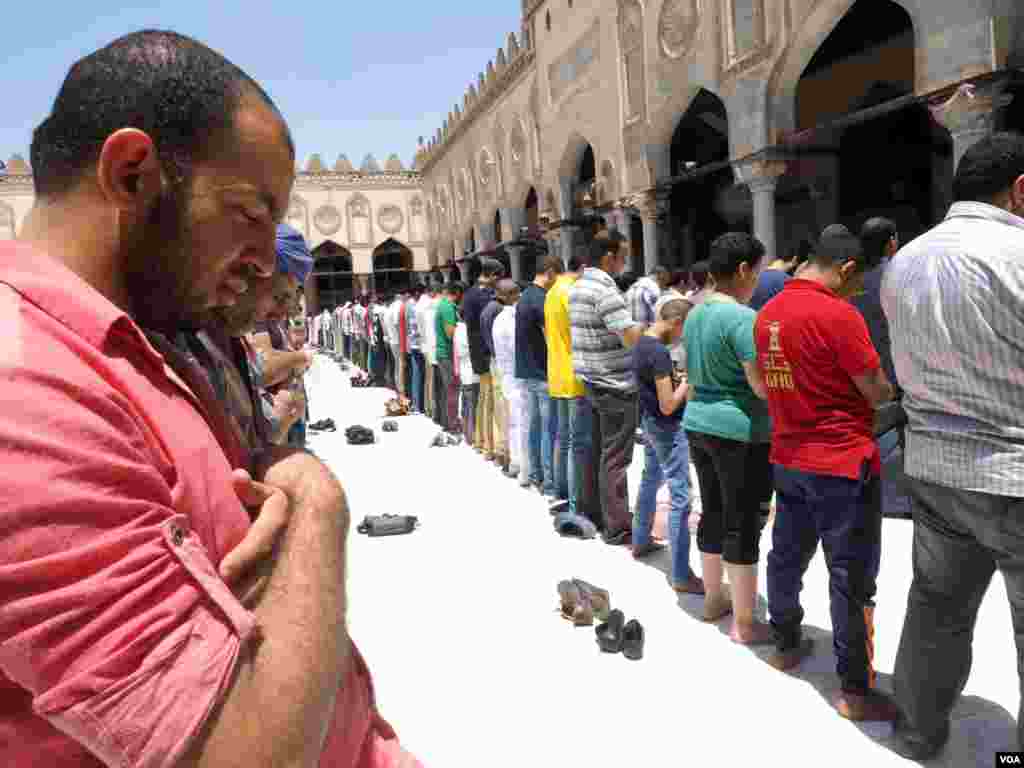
(954, 299)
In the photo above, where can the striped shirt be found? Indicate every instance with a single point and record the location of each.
(598, 317)
(642, 299)
(954, 299)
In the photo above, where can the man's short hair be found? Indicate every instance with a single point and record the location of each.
(491, 268)
(182, 94)
(731, 250)
(836, 250)
(605, 243)
(553, 263)
(836, 230)
(989, 168)
(660, 270)
(578, 262)
(673, 310)
(455, 288)
(875, 236)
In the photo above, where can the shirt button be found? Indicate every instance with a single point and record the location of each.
(177, 536)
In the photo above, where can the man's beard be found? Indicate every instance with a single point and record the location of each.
(160, 270)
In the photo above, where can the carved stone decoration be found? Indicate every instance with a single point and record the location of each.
(298, 213)
(390, 219)
(327, 219)
(486, 165)
(360, 225)
(568, 73)
(677, 26)
(416, 221)
(6, 222)
(518, 148)
(631, 35)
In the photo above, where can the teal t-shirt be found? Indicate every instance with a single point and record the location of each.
(446, 315)
(719, 337)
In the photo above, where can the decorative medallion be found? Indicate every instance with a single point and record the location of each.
(327, 219)
(677, 26)
(390, 219)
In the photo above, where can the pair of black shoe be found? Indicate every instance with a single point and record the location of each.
(389, 426)
(616, 635)
(324, 425)
(359, 435)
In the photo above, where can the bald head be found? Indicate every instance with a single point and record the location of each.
(508, 291)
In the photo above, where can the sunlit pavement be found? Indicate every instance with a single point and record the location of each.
(475, 668)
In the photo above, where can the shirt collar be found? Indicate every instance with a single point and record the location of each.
(66, 297)
(798, 284)
(975, 210)
(601, 276)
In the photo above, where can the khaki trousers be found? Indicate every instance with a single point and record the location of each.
(500, 420)
(428, 389)
(484, 437)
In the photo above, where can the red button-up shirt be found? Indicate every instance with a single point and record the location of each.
(117, 636)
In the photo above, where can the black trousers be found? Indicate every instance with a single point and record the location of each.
(735, 484)
(615, 422)
(960, 539)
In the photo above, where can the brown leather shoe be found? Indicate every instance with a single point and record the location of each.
(870, 707)
(788, 659)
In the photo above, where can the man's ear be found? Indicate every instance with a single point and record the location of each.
(1017, 194)
(128, 171)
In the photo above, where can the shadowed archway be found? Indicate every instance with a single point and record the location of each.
(392, 267)
(332, 276)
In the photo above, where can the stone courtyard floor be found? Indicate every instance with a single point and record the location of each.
(475, 668)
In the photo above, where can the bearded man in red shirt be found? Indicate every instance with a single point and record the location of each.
(824, 379)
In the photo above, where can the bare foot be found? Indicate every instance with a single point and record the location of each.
(717, 607)
(692, 586)
(755, 633)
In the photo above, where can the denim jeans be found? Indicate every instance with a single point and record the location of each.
(416, 363)
(666, 459)
(575, 448)
(470, 398)
(541, 436)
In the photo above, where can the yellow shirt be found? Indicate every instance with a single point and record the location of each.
(562, 380)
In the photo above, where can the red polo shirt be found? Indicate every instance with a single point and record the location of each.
(117, 636)
(810, 346)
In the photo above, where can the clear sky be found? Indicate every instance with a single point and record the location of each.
(351, 77)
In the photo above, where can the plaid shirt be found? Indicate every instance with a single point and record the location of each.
(642, 299)
(598, 317)
(954, 298)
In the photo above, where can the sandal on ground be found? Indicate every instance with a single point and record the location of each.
(574, 605)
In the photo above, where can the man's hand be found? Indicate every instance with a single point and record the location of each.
(244, 567)
(289, 405)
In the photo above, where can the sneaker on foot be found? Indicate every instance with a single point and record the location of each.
(791, 657)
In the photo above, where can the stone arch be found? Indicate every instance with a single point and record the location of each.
(781, 85)
(572, 157)
(392, 266)
(332, 279)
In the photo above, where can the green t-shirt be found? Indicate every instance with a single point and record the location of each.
(719, 337)
(446, 316)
